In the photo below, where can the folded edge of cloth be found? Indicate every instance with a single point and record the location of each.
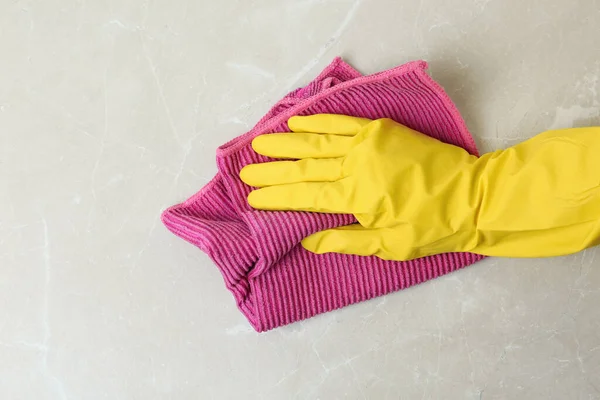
(273, 279)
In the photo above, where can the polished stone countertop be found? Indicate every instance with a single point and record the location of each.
(111, 111)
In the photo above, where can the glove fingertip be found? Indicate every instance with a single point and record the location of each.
(312, 243)
(246, 175)
(295, 123)
(254, 199)
(259, 144)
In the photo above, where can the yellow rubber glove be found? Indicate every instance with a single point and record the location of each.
(416, 196)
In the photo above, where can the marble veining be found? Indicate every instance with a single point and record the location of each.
(111, 111)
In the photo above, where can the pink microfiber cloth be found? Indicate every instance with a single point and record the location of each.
(273, 279)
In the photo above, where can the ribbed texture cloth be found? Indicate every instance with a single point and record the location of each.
(273, 279)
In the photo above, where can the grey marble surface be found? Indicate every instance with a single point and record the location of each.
(111, 111)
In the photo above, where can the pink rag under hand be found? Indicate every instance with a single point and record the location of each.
(273, 279)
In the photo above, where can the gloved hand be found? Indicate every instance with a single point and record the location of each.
(415, 196)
